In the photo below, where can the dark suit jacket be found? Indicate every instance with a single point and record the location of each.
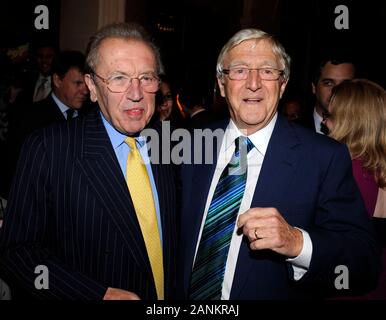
(25, 97)
(307, 120)
(24, 121)
(199, 120)
(308, 178)
(70, 210)
(34, 116)
(44, 113)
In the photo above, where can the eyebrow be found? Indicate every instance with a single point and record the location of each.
(118, 72)
(265, 63)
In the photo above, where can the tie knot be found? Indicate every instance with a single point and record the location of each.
(130, 141)
(243, 144)
(324, 129)
(70, 113)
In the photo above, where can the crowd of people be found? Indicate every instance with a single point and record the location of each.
(289, 196)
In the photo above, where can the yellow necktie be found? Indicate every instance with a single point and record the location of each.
(142, 196)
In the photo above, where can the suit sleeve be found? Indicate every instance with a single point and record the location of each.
(26, 241)
(342, 234)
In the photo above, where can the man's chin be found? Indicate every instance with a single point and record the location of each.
(135, 128)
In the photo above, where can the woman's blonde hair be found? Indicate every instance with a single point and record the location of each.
(358, 113)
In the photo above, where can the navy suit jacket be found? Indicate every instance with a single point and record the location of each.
(70, 210)
(308, 179)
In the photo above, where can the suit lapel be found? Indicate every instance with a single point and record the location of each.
(277, 171)
(99, 164)
(54, 113)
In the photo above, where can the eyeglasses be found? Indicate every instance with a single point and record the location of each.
(121, 83)
(326, 115)
(240, 73)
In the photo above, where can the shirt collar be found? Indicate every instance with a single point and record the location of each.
(63, 108)
(117, 138)
(317, 121)
(260, 138)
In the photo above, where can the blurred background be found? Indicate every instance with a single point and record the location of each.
(191, 33)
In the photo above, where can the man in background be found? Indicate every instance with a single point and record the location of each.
(330, 72)
(69, 93)
(192, 99)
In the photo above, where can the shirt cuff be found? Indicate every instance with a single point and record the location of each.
(301, 263)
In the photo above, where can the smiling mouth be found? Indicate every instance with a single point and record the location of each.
(252, 101)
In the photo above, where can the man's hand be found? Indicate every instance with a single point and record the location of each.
(267, 229)
(119, 294)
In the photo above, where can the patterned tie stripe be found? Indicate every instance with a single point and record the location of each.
(209, 267)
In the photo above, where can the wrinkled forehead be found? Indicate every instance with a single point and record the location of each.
(251, 50)
(113, 51)
(111, 46)
(252, 44)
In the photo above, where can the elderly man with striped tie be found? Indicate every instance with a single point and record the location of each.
(278, 210)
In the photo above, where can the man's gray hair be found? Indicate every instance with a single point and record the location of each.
(250, 34)
(126, 31)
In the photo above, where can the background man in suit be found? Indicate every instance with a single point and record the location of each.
(330, 72)
(192, 100)
(291, 216)
(36, 83)
(69, 93)
(44, 59)
(70, 208)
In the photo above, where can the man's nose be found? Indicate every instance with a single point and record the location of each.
(135, 92)
(253, 80)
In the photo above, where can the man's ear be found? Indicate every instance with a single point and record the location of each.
(313, 88)
(91, 86)
(56, 80)
(283, 85)
(220, 82)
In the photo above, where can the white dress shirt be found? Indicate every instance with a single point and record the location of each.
(317, 121)
(255, 158)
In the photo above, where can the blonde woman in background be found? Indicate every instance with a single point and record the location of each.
(357, 117)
